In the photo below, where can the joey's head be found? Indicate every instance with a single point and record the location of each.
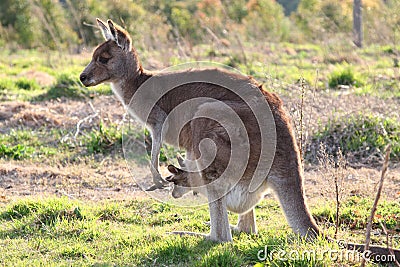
(113, 60)
(184, 182)
(181, 181)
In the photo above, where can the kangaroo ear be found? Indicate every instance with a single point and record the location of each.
(104, 30)
(121, 36)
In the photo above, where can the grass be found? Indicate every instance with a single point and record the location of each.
(99, 140)
(16, 152)
(104, 138)
(68, 85)
(63, 69)
(59, 231)
(344, 76)
(36, 144)
(359, 137)
(355, 212)
(22, 144)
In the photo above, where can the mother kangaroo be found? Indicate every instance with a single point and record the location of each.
(203, 128)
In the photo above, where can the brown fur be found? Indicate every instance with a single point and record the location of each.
(285, 178)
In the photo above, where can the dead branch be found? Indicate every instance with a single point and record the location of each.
(374, 206)
(388, 245)
(92, 116)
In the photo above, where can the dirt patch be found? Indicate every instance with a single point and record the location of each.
(8, 109)
(112, 180)
(109, 180)
(361, 182)
(59, 113)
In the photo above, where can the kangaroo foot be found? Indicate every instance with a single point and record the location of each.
(183, 233)
(234, 228)
(205, 236)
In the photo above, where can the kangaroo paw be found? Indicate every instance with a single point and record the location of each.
(155, 187)
(159, 183)
(205, 236)
(181, 160)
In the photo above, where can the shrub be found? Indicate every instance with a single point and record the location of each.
(343, 77)
(16, 152)
(355, 213)
(266, 20)
(67, 85)
(27, 84)
(361, 138)
(104, 139)
(6, 84)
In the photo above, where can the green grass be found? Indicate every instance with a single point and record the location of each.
(345, 76)
(384, 87)
(104, 138)
(68, 85)
(21, 144)
(14, 86)
(59, 232)
(40, 143)
(16, 152)
(359, 137)
(286, 62)
(355, 212)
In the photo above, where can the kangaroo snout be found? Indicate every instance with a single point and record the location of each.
(84, 79)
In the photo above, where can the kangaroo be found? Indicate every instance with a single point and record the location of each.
(116, 61)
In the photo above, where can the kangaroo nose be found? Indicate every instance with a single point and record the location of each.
(83, 77)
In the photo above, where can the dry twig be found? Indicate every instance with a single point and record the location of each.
(388, 244)
(374, 206)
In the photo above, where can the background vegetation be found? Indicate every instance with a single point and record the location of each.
(156, 23)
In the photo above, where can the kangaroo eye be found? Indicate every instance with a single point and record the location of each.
(103, 60)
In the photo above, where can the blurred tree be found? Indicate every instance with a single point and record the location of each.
(381, 22)
(18, 23)
(357, 23)
(211, 16)
(183, 22)
(320, 19)
(266, 20)
(33, 23)
(56, 30)
(79, 13)
(159, 24)
(236, 9)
